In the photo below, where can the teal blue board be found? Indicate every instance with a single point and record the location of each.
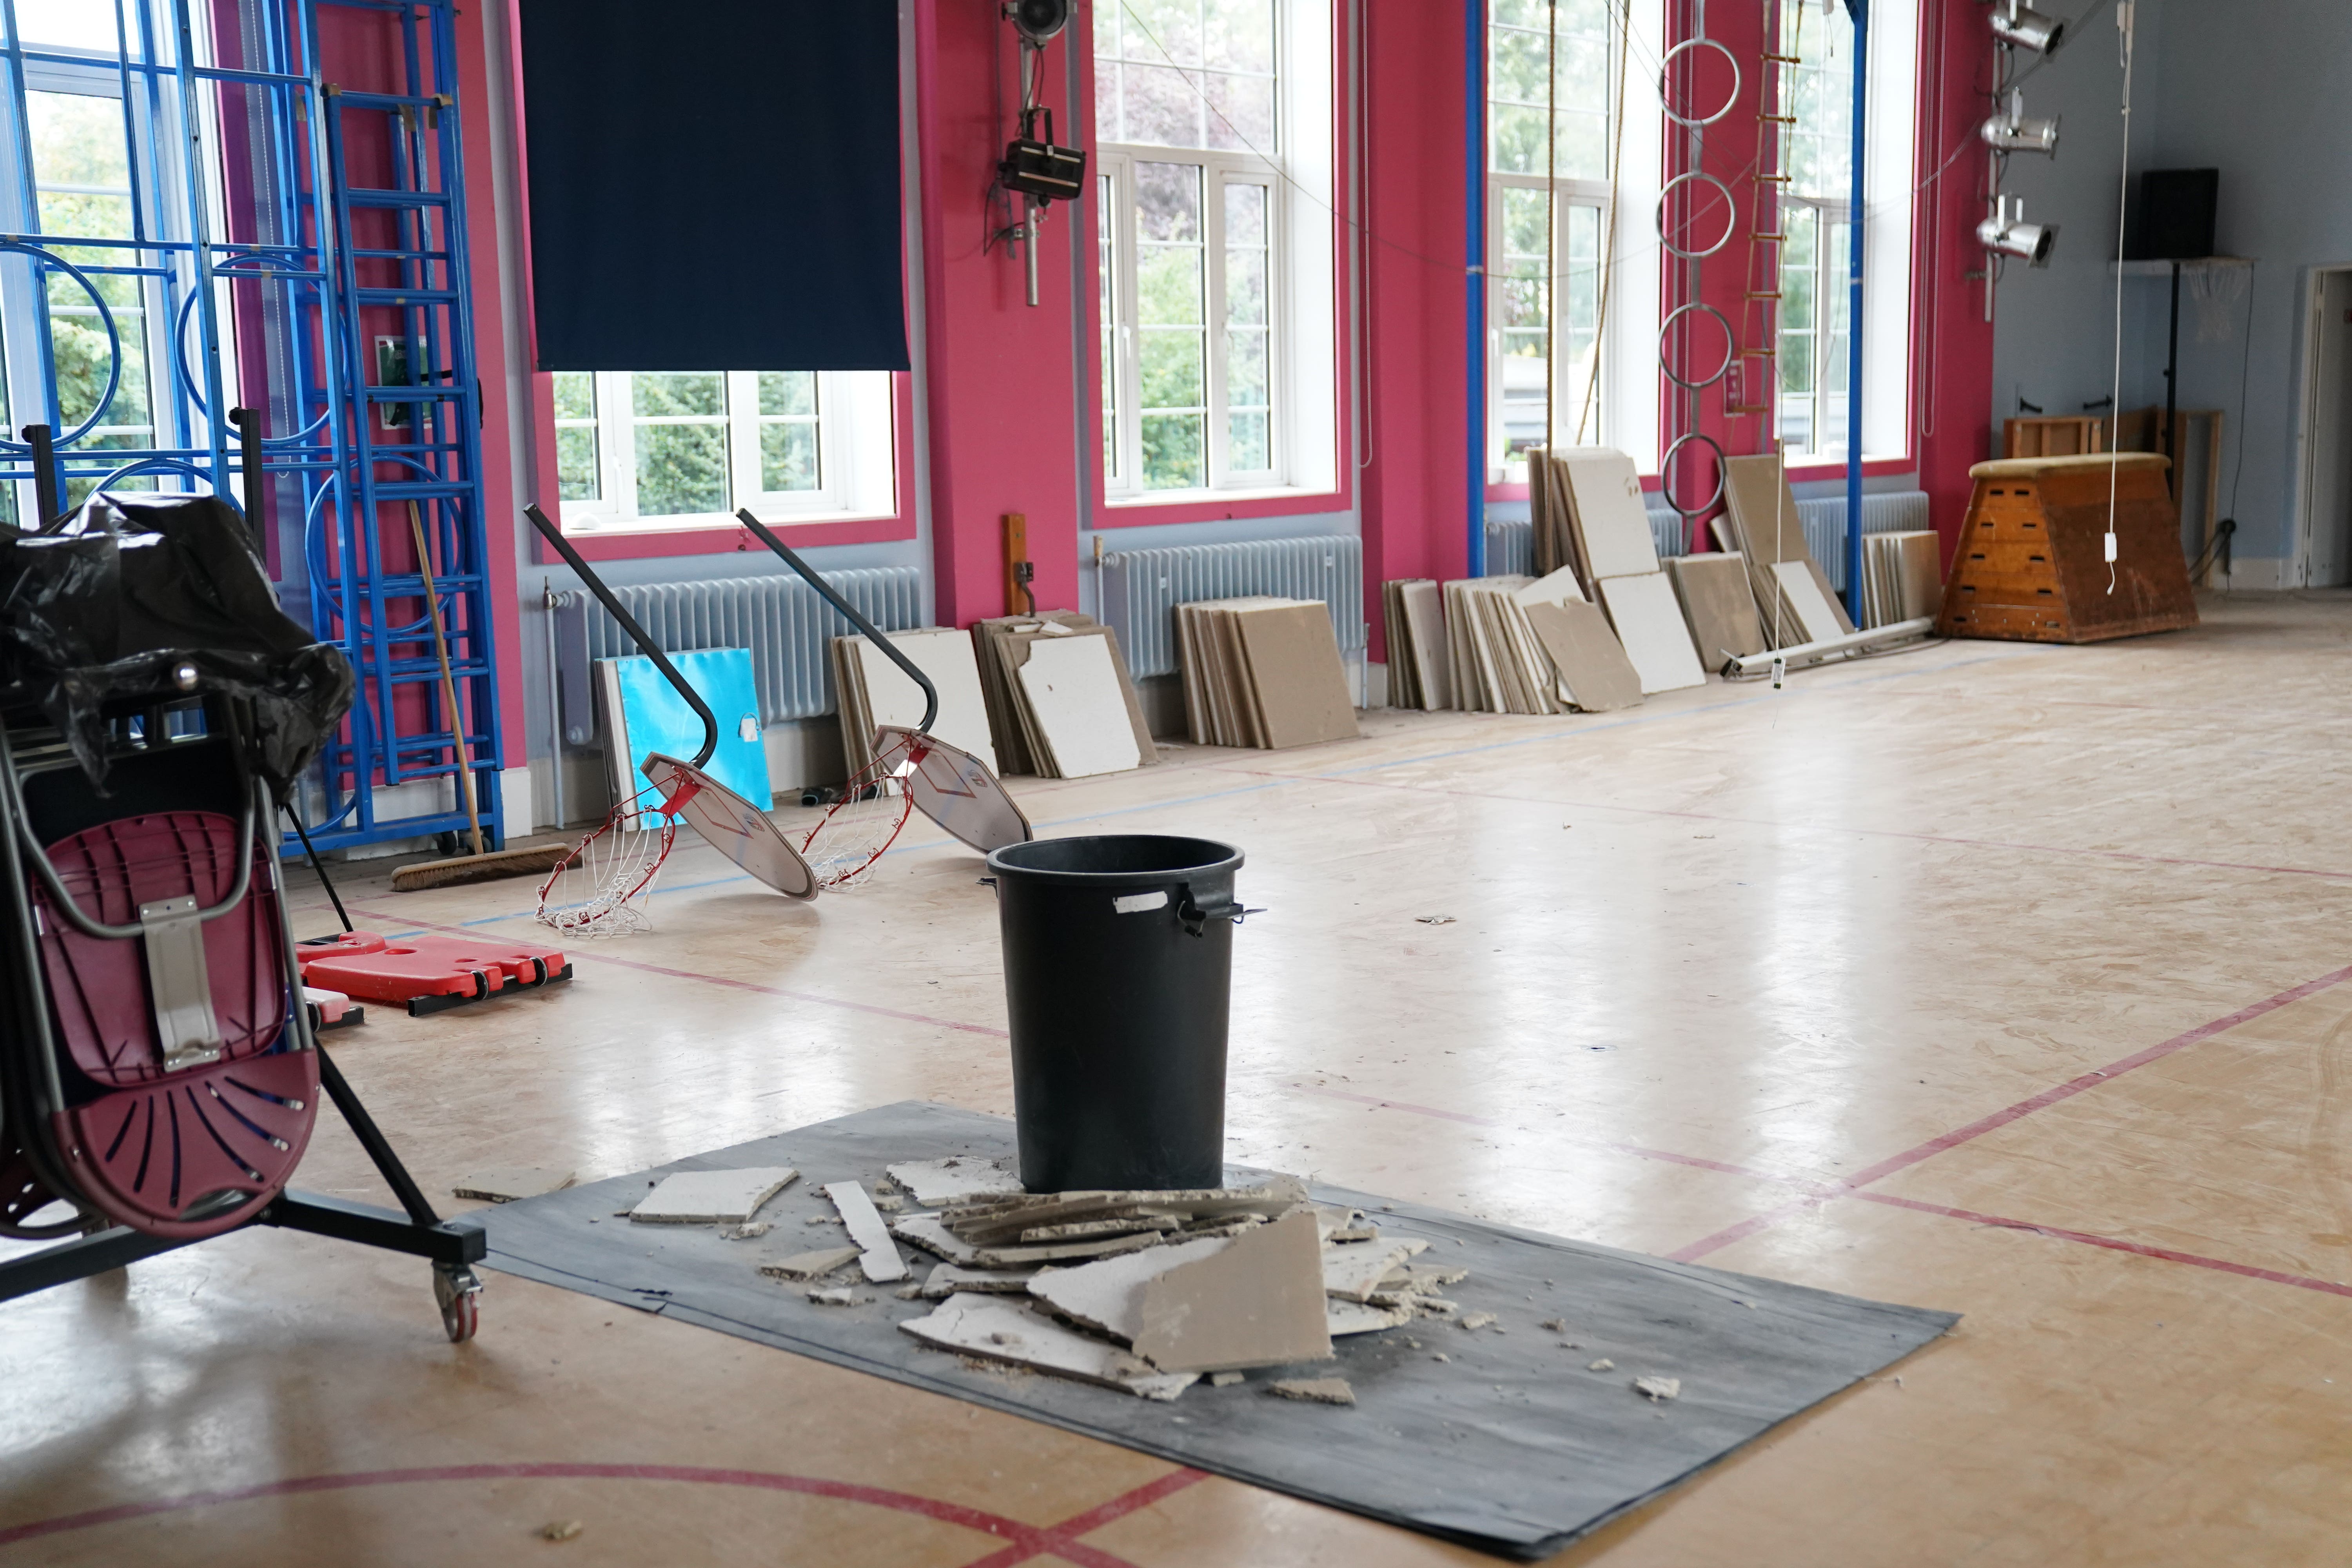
(657, 719)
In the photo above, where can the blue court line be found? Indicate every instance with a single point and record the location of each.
(1577, 732)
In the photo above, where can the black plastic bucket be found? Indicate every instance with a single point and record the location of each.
(1117, 972)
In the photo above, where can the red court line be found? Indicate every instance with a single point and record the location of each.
(1028, 1540)
(2074, 1086)
(1815, 1194)
(2089, 1238)
(407, 922)
(1065, 1534)
(1743, 1229)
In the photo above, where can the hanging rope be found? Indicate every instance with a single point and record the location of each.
(1605, 249)
(2124, 9)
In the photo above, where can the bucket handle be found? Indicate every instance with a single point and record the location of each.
(1196, 918)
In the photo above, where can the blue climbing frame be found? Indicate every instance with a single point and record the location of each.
(193, 265)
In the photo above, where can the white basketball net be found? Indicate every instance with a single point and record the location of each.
(855, 832)
(601, 888)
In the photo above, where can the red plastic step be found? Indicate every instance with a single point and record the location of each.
(427, 972)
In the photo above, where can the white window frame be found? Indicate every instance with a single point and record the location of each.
(1217, 171)
(1592, 196)
(156, 147)
(1890, 202)
(856, 438)
(1301, 284)
(1626, 358)
(1832, 239)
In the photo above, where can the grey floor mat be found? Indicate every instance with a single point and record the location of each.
(1510, 1445)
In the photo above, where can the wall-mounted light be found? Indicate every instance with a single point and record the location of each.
(2012, 133)
(2007, 232)
(1039, 21)
(1033, 167)
(2021, 25)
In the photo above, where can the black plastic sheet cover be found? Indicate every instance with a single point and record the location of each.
(128, 588)
(1515, 1443)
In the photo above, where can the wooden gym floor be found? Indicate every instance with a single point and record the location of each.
(2003, 979)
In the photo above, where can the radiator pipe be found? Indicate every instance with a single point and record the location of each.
(832, 595)
(645, 645)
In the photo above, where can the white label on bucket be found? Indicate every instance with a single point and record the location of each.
(1136, 903)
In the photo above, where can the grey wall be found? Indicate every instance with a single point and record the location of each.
(2255, 89)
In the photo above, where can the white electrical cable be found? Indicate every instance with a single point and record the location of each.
(2124, 9)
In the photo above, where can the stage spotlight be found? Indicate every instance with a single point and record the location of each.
(2013, 133)
(2007, 232)
(2021, 26)
(1038, 20)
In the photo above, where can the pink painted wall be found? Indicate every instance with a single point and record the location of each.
(1951, 340)
(1003, 403)
(1416, 444)
(490, 363)
(1009, 400)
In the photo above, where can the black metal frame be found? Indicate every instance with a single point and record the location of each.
(28, 1084)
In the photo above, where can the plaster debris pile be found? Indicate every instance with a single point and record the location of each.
(1143, 1291)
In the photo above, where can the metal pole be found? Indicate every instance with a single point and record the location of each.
(2171, 387)
(628, 624)
(857, 617)
(1029, 242)
(1475, 274)
(45, 474)
(1857, 222)
(554, 699)
(248, 446)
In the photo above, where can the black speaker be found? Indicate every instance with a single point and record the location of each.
(2175, 220)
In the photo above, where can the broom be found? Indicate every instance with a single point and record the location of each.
(477, 867)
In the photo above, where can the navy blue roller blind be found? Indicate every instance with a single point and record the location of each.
(714, 185)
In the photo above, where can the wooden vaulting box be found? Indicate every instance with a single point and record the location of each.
(2032, 564)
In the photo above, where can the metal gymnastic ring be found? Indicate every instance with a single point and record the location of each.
(1730, 215)
(1730, 345)
(1666, 476)
(1667, 66)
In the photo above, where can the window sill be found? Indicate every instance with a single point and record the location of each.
(1209, 506)
(712, 522)
(634, 539)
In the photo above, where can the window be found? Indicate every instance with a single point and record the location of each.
(1547, 211)
(79, 153)
(1817, 154)
(688, 447)
(1214, 240)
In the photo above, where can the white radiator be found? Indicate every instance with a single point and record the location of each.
(1141, 588)
(781, 620)
(1897, 512)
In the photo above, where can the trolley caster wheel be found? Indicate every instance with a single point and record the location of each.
(459, 1292)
